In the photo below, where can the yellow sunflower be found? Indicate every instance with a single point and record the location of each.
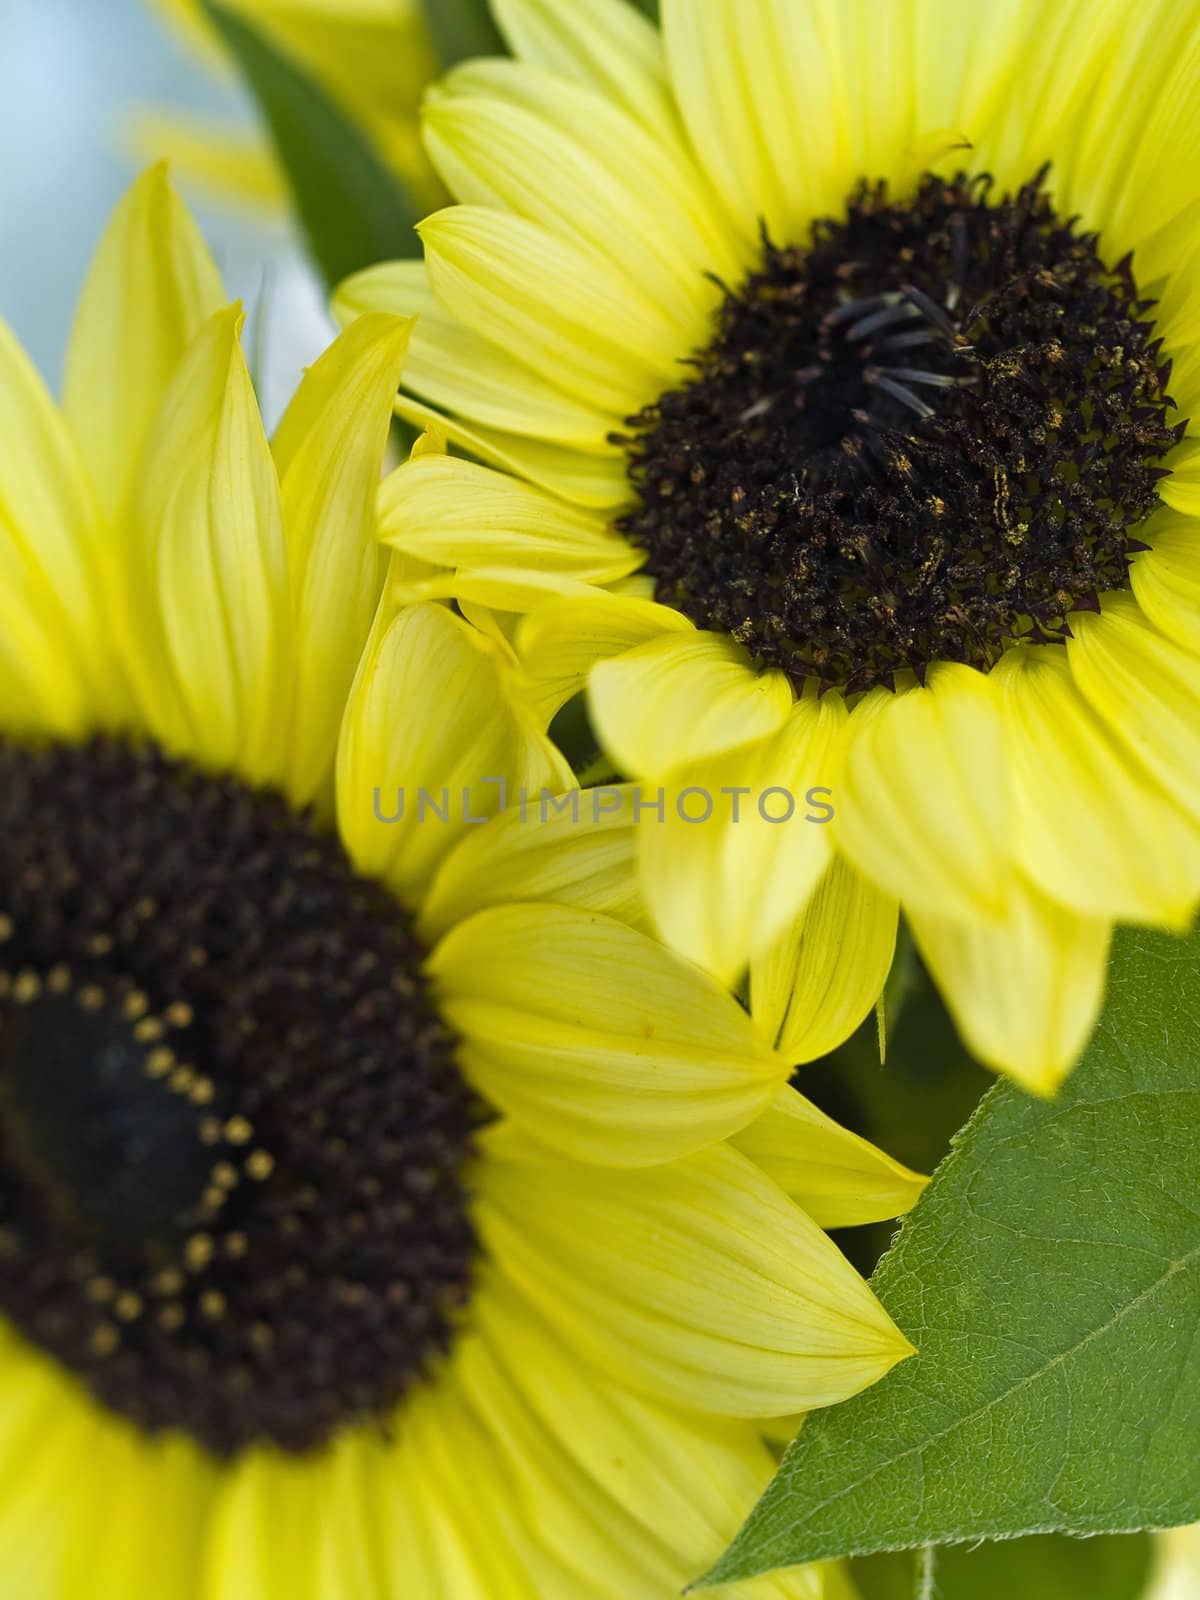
(367, 1222)
(373, 57)
(836, 360)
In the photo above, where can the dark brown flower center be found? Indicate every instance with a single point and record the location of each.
(931, 431)
(233, 1134)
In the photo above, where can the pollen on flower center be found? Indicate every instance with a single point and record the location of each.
(233, 1133)
(926, 434)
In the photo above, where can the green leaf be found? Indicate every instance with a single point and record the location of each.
(1047, 1568)
(462, 29)
(353, 210)
(1050, 1279)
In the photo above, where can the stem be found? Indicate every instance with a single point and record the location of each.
(927, 1572)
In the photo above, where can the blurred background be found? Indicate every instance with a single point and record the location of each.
(70, 75)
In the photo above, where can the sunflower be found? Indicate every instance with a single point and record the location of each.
(373, 57)
(832, 366)
(367, 1218)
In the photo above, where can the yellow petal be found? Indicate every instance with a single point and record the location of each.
(584, 857)
(228, 163)
(151, 289)
(1138, 114)
(453, 368)
(698, 1282)
(572, 317)
(1090, 828)
(759, 88)
(838, 1178)
(329, 451)
(1146, 689)
(473, 1532)
(923, 808)
(374, 56)
(595, 1038)
(204, 620)
(636, 1496)
(586, 479)
(740, 846)
(512, 136)
(1182, 489)
(56, 659)
(1166, 578)
(58, 1537)
(267, 1531)
(823, 974)
(461, 515)
(1026, 990)
(511, 590)
(603, 44)
(161, 1555)
(1185, 373)
(375, 1514)
(1176, 1574)
(680, 697)
(560, 642)
(433, 742)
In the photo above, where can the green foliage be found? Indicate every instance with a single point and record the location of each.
(353, 210)
(1050, 1278)
(462, 29)
(1050, 1567)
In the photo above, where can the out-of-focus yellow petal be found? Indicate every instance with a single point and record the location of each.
(230, 164)
(821, 976)
(268, 1530)
(194, 30)
(151, 289)
(584, 856)
(329, 451)
(432, 744)
(57, 668)
(735, 854)
(204, 605)
(595, 1038)
(108, 1560)
(1177, 1565)
(924, 807)
(838, 1178)
(419, 1509)
(1025, 990)
(56, 1540)
(681, 697)
(698, 1282)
